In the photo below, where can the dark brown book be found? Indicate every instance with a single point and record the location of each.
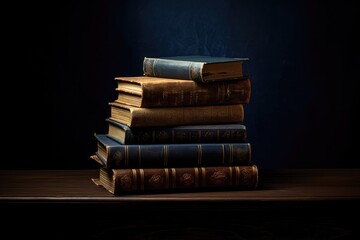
(147, 180)
(144, 91)
(167, 116)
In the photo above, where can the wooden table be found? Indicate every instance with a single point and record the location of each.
(288, 204)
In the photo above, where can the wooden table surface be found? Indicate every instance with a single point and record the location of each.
(288, 204)
(274, 185)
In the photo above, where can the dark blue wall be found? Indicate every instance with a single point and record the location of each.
(302, 65)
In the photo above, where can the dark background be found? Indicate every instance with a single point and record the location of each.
(303, 64)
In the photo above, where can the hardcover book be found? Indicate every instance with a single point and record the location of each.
(147, 180)
(202, 69)
(166, 116)
(144, 91)
(206, 133)
(115, 155)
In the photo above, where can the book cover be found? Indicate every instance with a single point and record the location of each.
(202, 69)
(115, 155)
(147, 180)
(145, 91)
(205, 133)
(167, 116)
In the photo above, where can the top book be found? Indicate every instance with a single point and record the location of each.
(200, 69)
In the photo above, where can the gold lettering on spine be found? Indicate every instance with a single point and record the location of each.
(237, 176)
(166, 149)
(153, 67)
(173, 176)
(139, 155)
(199, 154)
(249, 153)
(255, 175)
(223, 153)
(203, 176)
(126, 156)
(142, 179)
(167, 178)
(231, 175)
(196, 173)
(135, 184)
(190, 71)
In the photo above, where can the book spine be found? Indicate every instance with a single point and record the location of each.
(114, 157)
(145, 117)
(194, 94)
(169, 135)
(144, 180)
(173, 69)
(179, 155)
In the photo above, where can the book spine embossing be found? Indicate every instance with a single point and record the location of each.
(117, 157)
(179, 155)
(201, 115)
(185, 93)
(195, 70)
(151, 135)
(150, 179)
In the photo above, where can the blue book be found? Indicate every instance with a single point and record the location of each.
(200, 69)
(205, 133)
(113, 154)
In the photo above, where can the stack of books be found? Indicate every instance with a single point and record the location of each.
(178, 127)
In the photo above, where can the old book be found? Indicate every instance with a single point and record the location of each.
(167, 116)
(147, 180)
(202, 69)
(116, 155)
(206, 133)
(144, 91)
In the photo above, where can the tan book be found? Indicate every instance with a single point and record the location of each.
(167, 116)
(144, 91)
